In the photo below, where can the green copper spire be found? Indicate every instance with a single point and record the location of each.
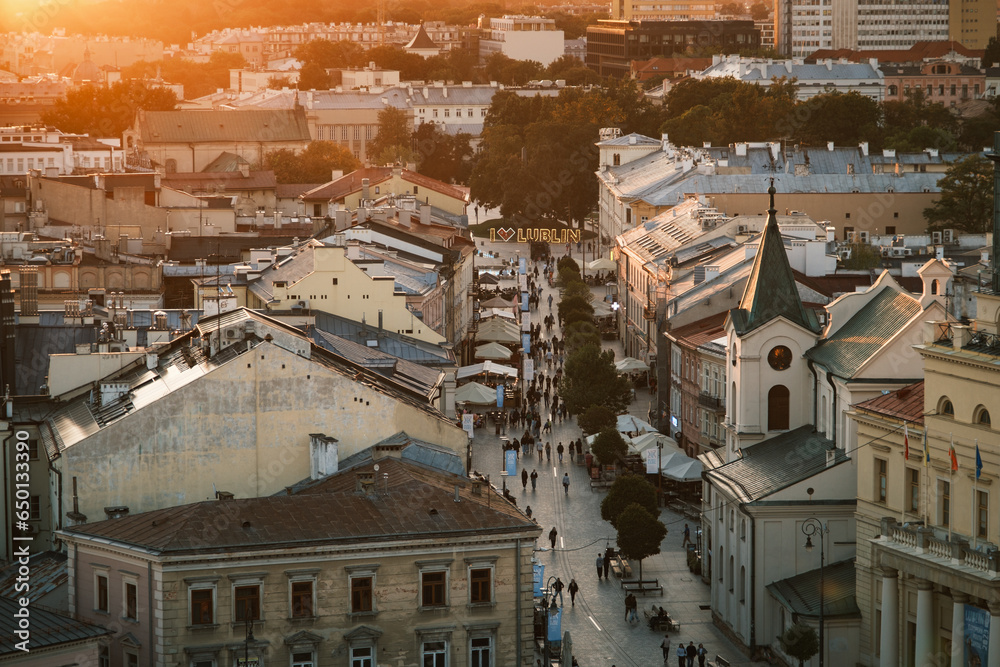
(771, 291)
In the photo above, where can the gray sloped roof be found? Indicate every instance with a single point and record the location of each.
(33, 344)
(291, 269)
(390, 342)
(246, 125)
(800, 594)
(775, 464)
(865, 333)
(49, 628)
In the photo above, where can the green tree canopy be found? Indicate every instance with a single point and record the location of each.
(581, 334)
(966, 200)
(198, 79)
(313, 165)
(106, 111)
(590, 378)
(639, 534)
(626, 491)
(441, 156)
(759, 11)
(393, 143)
(800, 642)
(609, 446)
(595, 419)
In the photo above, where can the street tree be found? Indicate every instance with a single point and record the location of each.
(581, 334)
(639, 534)
(966, 199)
(626, 491)
(843, 118)
(315, 164)
(759, 11)
(393, 143)
(441, 156)
(595, 419)
(609, 446)
(800, 642)
(991, 56)
(106, 111)
(590, 378)
(314, 76)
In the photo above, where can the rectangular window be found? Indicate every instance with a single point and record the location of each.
(914, 490)
(482, 651)
(432, 589)
(246, 600)
(982, 513)
(101, 592)
(32, 450)
(416, 190)
(36, 507)
(201, 606)
(302, 660)
(434, 654)
(131, 601)
(362, 657)
(944, 502)
(103, 655)
(302, 599)
(447, 113)
(881, 468)
(131, 659)
(361, 594)
(480, 585)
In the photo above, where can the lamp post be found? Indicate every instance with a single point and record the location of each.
(810, 527)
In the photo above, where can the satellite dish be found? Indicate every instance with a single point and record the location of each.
(376, 467)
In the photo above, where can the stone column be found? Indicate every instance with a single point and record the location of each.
(889, 639)
(924, 649)
(958, 601)
(993, 660)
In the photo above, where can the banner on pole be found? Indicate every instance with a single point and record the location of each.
(652, 461)
(538, 575)
(977, 636)
(526, 343)
(529, 370)
(510, 462)
(555, 625)
(467, 423)
(499, 395)
(522, 265)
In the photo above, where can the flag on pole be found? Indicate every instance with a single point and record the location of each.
(906, 442)
(927, 454)
(951, 453)
(979, 461)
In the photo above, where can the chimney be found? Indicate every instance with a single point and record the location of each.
(116, 512)
(995, 269)
(364, 483)
(365, 189)
(404, 218)
(336, 174)
(425, 214)
(829, 146)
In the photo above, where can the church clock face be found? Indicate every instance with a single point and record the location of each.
(779, 358)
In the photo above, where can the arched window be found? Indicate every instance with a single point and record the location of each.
(732, 520)
(171, 166)
(731, 577)
(777, 408)
(743, 584)
(722, 562)
(616, 159)
(732, 404)
(935, 286)
(945, 407)
(743, 529)
(981, 416)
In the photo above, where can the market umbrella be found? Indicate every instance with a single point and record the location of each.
(673, 459)
(493, 351)
(602, 264)
(630, 424)
(631, 365)
(641, 443)
(685, 471)
(496, 331)
(476, 394)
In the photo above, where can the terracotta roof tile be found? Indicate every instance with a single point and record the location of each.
(905, 404)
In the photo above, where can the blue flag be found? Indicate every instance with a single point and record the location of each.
(979, 461)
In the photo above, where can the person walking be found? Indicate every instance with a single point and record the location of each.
(524, 478)
(702, 655)
(573, 588)
(600, 565)
(607, 562)
(681, 654)
(559, 450)
(557, 587)
(552, 536)
(539, 447)
(534, 479)
(665, 646)
(631, 605)
(548, 452)
(566, 483)
(687, 536)
(692, 653)
(550, 302)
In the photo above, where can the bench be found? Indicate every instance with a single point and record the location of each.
(719, 662)
(643, 586)
(661, 623)
(621, 567)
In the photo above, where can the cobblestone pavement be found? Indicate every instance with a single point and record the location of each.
(600, 634)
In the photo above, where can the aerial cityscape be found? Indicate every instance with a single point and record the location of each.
(293, 297)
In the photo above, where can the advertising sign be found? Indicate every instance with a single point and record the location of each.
(510, 462)
(529, 370)
(977, 636)
(522, 267)
(538, 576)
(467, 423)
(652, 461)
(499, 395)
(526, 343)
(555, 625)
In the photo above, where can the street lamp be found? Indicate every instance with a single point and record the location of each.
(810, 527)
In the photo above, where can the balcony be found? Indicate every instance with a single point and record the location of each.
(917, 542)
(964, 338)
(713, 403)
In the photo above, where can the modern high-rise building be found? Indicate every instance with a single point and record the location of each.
(661, 10)
(805, 26)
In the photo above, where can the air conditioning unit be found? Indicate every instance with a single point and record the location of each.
(852, 237)
(232, 332)
(742, 229)
(886, 252)
(863, 237)
(950, 236)
(936, 238)
(301, 305)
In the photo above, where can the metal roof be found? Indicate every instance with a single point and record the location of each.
(48, 572)
(885, 315)
(250, 125)
(390, 342)
(906, 404)
(775, 464)
(49, 628)
(290, 269)
(33, 345)
(801, 594)
(408, 501)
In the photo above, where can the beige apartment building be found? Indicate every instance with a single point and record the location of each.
(927, 568)
(662, 10)
(432, 569)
